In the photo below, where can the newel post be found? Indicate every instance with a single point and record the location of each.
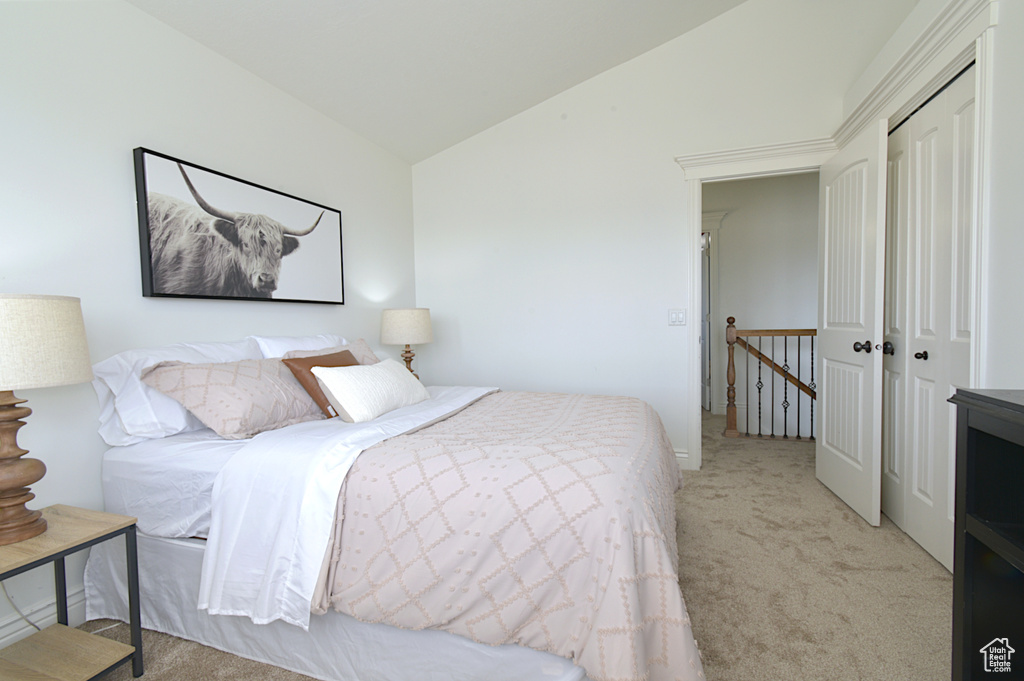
(730, 374)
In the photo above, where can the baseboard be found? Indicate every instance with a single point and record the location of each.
(684, 460)
(43, 614)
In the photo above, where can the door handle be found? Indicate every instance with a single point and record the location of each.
(862, 347)
(886, 348)
(921, 355)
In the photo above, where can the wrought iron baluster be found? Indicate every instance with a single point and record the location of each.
(773, 387)
(746, 380)
(799, 365)
(760, 386)
(812, 386)
(785, 387)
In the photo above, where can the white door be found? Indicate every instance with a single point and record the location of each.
(894, 363)
(932, 296)
(851, 255)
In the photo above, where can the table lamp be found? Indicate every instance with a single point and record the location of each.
(406, 327)
(42, 344)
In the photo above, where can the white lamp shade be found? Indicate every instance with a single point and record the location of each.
(42, 342)
(406, 327)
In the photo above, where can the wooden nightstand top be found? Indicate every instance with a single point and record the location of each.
(66, 528)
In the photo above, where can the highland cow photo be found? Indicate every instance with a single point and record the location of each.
(204, 234)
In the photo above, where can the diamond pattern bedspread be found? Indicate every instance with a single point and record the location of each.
(544, 520)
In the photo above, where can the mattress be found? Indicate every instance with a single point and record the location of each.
(167, 483)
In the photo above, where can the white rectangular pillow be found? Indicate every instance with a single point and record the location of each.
(277, 346)
(362, 393)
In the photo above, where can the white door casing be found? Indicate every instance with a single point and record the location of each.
(851, 256)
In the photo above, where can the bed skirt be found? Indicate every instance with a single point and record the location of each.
(336, 647)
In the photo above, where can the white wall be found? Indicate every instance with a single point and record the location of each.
(1003, 313)
(551, 247)
(82, 84)
(767, 250)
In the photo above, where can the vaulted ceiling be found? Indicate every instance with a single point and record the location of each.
(417, 76)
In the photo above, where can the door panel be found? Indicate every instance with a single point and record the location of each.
(923, 464)
(852, 249)
(962, 105)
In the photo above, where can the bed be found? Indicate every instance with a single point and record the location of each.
(472, 533)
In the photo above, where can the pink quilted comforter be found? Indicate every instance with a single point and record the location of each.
(538, 519)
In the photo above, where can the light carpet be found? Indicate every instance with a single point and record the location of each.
(783, 582)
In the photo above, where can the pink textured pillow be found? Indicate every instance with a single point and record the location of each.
(236, 400)
(360, 349)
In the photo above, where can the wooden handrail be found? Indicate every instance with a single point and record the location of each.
(747, 333)
(734, 337)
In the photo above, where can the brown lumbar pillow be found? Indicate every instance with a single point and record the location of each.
(301, 366)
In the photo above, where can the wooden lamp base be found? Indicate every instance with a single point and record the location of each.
(407, 356)
(17, 523)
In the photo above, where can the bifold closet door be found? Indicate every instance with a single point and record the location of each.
(894, 362)
(928, 312)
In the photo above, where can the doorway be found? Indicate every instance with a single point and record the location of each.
(760, 265)
(811, 156)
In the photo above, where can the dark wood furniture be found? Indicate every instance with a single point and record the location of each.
(988, 575)
(59, 652)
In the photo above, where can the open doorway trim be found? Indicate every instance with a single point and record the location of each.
(961, 32)
(763, 161)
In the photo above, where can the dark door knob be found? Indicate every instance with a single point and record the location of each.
(888, 349)
(862, 347)
(921, 355)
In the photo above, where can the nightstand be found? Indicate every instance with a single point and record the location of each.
(60, 653)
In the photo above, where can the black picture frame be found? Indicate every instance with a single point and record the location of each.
(205, 234)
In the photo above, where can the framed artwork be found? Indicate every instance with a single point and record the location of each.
(204, 234)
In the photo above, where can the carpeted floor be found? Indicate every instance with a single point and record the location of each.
(782, 581)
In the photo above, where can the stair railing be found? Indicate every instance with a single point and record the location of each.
(765, 355)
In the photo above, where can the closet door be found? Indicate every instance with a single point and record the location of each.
(939, 305)
(894, 360)
(851, 243)
(929, 301)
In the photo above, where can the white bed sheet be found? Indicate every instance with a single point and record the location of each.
(274, 507)
(167, 483)
(336, 647)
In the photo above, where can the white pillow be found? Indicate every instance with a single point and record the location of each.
(277, 346)
(131, 411)
(362, 393)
